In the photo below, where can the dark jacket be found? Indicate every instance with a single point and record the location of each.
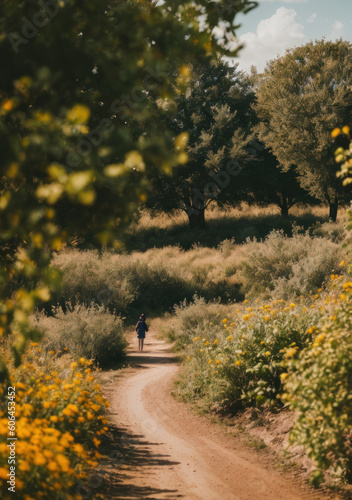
(141, 328)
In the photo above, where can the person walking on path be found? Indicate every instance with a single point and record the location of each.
(141, 329)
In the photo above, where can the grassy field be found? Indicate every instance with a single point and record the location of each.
(238, 223)
(280, 263)
(248, 303)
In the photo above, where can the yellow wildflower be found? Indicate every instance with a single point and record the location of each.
(63, 462)
(319, 339)
(336, 132)
(39, 459)
(291, 352)
(3, 473)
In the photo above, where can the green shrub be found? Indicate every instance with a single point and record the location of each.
(336, 232)
(89, 278)
(153, 281)
(231, 365)
(90, 332)
(192, 319)
(318, 388)
(281, 267)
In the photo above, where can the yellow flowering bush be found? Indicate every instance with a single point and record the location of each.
(247, 355)
(59, 419)
(318, 388)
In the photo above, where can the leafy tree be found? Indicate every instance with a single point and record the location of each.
(301, 97)
(213, 117)
(268, 184)
(78, 84)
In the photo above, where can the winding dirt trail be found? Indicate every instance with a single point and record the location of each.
(170, 453)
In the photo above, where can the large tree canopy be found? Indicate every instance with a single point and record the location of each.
(213, 115)
(78, 87)
(301, 98)
(266, 183)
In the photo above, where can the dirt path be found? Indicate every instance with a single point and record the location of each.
(170, 453)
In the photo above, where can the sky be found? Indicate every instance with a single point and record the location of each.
(277, 25)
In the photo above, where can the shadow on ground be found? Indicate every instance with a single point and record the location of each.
(217, 230)
(126, 452)
(140, 361)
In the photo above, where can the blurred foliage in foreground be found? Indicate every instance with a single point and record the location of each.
(343, 155)
(78, 127)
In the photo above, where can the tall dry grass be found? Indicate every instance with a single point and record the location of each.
(239, 223)
(279, 266)
(89, 332)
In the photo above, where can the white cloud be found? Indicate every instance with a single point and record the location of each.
(312, 18)
(337, 30)
(274, 35)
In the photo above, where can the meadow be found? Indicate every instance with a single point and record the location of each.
(250, 315)
(284, 261)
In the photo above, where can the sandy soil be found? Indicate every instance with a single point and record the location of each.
(169, 452)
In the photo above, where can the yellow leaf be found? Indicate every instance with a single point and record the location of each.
(185, 71)
(79, 181)
(78, 114)
(143, 197)
(182, 158)
(56, 244)
(7, 104)
(37, 239)
(134, 159)
(339, 158)
(115, 170)
(12, 170)
(50, 192)
(44, 117)
(57, 172)
(87, 197)
(43, 294)
(181, 140)
(4, 200)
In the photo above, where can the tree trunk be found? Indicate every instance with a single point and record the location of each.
(333, 210)
(197, 220)
(284, 207)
